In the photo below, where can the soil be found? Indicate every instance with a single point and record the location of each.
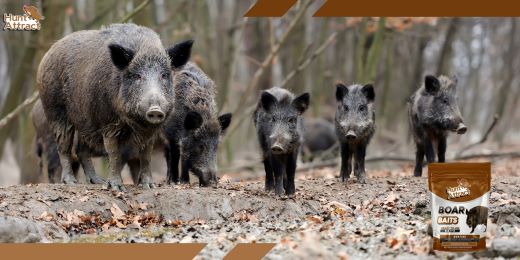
(385, 218)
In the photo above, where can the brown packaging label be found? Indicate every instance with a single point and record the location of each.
(460, 193)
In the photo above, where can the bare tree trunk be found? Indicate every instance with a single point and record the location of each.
(506, 87)
(444, 64)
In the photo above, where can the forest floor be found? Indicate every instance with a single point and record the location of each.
(387, 217)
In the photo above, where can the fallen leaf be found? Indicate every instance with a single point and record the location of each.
(315, 219)
(117, 213)
(46, 216)
(84, 198)
(391, 198)
(43, 201)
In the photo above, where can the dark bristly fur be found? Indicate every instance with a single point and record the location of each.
(279, 126)
(433, 112)
(113, 88)
(355, 126)
(47, 149)
(194, 128)
(320, 136)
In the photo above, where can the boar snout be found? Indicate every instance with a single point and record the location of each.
(208, 179)
(277, 148)
(279, 143)
(155, 115)
(351, 135)
(461, 128)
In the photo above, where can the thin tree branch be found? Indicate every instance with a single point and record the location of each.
(19, 109)
(135, 11)
(306, 62)
(483, 139)
(267, 61)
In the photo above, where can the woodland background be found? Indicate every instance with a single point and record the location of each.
(298, 52)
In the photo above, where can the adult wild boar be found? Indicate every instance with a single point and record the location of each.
(433, 112)
(319, 137)
(279, 125)
(113, 87)
(355, 126)
(193, 131)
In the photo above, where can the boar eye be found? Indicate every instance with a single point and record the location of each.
(165, 75)
(273, 119)
(345, 107)
(362, 108)
(445, 101)
(137, 76)
(292, 120)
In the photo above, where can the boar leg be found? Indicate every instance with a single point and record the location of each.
(52, 164)
(441, 149)
(429, 150)
(66, 169)
(269, 177)
(359, 163)
(114, 182)
(185, 171)
(88, 168)
(290, 170)
(346, 161)
(419, 158)
(135, 168)
(64, 133)
(173, 164)
(279, 171)
(145, 173)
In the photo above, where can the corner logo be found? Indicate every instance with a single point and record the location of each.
(30, 21)
(459, 191)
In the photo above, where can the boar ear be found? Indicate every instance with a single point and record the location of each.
(368, 91)
(454, 82)
(192, 121)
(301, 103)
(120, 55)
(432, 84)
(341, 91)
(225, 121)
(180, 53)
(267, 100)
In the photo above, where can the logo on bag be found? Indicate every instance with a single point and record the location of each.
(459, 191)
(29, 21)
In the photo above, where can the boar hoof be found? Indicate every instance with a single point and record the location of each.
(344, 177)
(279, 191)
(95, 180)
(269, 188)
(69, 179)
(147, 186)
(362, 180)
(114, 186)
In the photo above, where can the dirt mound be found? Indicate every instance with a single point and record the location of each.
(387, 217)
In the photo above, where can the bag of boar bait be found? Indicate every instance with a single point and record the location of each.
(459, 197)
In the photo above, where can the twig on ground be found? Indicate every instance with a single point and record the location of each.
(488, 155)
